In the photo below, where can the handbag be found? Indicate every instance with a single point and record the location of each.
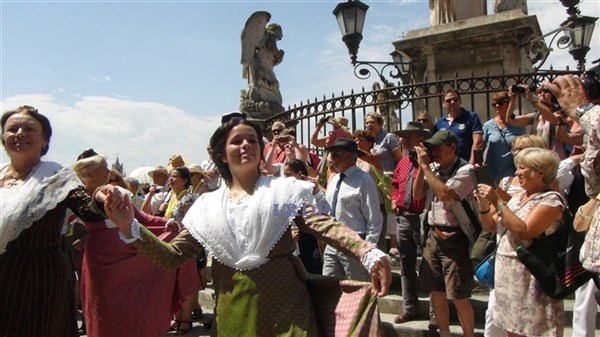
(554, 259)
(485, 270)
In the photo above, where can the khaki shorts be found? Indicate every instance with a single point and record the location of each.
(447, 266)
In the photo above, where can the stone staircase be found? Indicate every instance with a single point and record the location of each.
(391, 305)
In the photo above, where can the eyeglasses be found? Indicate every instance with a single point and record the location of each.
(232, 116)
(452, 100)
(422, 120)
(499, 103)
(276, 131)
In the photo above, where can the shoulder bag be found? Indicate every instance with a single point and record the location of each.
(554, 259)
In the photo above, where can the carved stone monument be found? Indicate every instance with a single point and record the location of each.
(483, 45)
(446, 11)
(259, 56)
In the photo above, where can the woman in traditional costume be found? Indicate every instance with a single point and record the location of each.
(115, 275)
(260, 285)
(36, 284)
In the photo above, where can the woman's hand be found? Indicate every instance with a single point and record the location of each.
(381, 277)
(315, 181)
(486, 195)
(119, 209)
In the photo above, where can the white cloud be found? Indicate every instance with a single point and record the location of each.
(141, 133)
(104, 78)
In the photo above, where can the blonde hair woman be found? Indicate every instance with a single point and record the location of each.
(522, 308)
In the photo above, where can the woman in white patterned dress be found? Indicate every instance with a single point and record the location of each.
(522, 308)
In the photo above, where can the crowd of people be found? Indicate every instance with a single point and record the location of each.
(272, 212)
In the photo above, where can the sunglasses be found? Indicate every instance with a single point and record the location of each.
(276, 131)
(422, 120)
(233, 116)
(452, 100)
(499, 103)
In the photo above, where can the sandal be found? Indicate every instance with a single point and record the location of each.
(182, 331)
(174, 325)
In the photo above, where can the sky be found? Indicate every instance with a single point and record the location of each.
(144, 80)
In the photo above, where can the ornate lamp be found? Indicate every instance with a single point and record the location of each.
(351, 19)
(577, 34)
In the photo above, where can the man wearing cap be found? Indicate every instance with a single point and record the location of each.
(354, 201)
(466, 125)
(407, 211)
(446, 269)
(158, 190)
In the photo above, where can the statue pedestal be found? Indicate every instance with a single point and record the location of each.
(479, 46)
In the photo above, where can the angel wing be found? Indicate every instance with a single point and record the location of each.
(251, 35)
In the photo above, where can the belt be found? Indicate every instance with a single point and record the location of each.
(406, 213)
(445, 232)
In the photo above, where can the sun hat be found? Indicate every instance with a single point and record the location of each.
(413, 127)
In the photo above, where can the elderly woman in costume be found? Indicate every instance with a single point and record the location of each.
(522, 308)
(260, 284)
(123, 278)
(36, 286)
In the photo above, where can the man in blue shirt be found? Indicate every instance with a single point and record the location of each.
(466, 125)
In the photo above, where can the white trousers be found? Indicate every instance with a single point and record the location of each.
(585, 310)
(491, 329)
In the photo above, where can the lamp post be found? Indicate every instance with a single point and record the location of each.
(577, 34)
(350, 17)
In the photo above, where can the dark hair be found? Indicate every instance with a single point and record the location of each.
(453, 91)
(366, 135)
(87, 153)
(33, 112)
(297, 165)
(219, 139)
(185, 174)
(591, 82)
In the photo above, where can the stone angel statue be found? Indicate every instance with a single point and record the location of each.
(259, 55)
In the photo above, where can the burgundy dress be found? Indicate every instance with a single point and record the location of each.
(122, 292)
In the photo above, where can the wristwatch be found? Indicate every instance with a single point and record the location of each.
(500, 207)
(583, 108)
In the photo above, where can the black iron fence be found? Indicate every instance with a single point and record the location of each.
(404, 102)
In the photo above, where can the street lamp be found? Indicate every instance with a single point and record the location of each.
(577, 34)
(350, 17)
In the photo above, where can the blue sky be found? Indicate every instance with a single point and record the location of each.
(146, 80)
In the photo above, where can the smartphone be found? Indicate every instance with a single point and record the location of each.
(485, 176)
(478, 156)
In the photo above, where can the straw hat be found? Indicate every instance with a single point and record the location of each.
(158, 169)
(175, 161)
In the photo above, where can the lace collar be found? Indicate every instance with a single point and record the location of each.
(269, 211)
(47, 185)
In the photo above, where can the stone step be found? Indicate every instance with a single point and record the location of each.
(391, 305)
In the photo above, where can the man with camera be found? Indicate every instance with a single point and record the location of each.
(408, 210)
(446, 269)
